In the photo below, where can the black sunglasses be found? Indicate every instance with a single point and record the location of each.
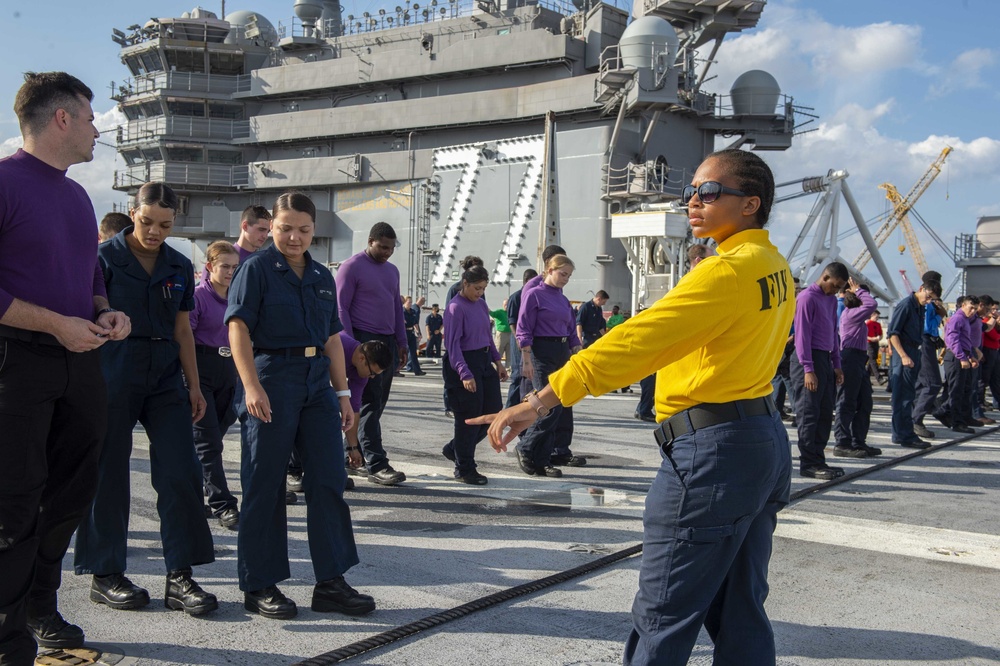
(708, 192)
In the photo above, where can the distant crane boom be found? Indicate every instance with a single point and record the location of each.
(902, 206)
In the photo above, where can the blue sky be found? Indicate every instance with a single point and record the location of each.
(891, 82)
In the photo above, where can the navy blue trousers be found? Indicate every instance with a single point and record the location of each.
(552, 434)
(465, 404)
(145, 386)
(814, 409)
(412, 362)
(53, 407)
(304, 415)
(903, 382)
(217, 375)
(707, 530)
(516, 373)
(434, 345)
(647, 390)
(373, 401)
(854, 400)
(928, 381)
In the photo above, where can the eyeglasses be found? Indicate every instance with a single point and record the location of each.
(371, 373)
(708, 192)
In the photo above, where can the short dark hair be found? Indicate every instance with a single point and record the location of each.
(435, 306)
(255, 212)
(112, 223)
(851, 300)
(933, 287)
(382, 230)
(45, 92)
(295, 201)
(551, 251)
(602, 294)
(528, 274)
(377, 353)
(986, 299)
(474, 274)
(930, 276)
(615, 309)
(973, 299)
(698, 251)
(157, 194)
(837, 270)
(753, 177)
(961, 300)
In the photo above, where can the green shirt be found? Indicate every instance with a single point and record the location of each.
(500, 319)
(614, 320)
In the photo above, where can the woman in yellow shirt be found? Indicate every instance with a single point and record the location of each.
(712, 508)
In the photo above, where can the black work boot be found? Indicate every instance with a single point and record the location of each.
(182, 593)
(52, 631)
(118, 592)
(335, 595)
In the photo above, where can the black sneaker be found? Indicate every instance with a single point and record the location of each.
(849, 452)
(962, 428)
(873, 452)
(294, 482)
(914, 444)
(549, 471)
(335, 595)
(822, 472)
(349, 484)
(387, 477)
(568, 461)
(473, 479)
(291, 498)
(52, 631)
(182, 593)
(525, 463)
(118, 592)
(269, 602)
(230, 518)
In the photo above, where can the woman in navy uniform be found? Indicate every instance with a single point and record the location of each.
(283, 326)
(217, 373)
(154, 285)
(473, 372)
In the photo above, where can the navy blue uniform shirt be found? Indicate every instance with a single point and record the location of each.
(279, 309)
(411, 316)
(513, 309)
(907, 322)
(590, 318)
(150, 301)
(434, 322)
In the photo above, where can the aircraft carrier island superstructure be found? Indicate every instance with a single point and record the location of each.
(486, 129)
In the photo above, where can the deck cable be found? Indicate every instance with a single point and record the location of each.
(482, 603)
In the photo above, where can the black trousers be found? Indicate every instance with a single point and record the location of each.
(434, 345)
(990, 376)
(465, 404)
(958, 398)
(551, 434)
(814, 409)
(928, 381)
(53, 414)
(217, 375)
(854, 400)
(516, 366)
(873, 360)
(373, 402)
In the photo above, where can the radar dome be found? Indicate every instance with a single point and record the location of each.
(646, 37)
(755, 93)
(309, 10)
(241, 28)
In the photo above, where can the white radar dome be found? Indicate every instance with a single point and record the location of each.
(645, 38)
(248, 27)
(755, 93)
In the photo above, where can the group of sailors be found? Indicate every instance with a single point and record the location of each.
(94, 343)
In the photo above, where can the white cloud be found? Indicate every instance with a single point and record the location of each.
(965, 72)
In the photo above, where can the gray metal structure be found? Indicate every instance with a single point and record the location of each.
(491, 128)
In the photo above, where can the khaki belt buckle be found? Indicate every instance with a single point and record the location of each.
(225, 352)
(310, 352)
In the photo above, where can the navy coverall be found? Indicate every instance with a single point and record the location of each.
(286, 317)
(145, 385)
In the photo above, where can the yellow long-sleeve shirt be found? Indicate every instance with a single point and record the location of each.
(715, 337)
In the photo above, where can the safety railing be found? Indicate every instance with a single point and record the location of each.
(181, 173)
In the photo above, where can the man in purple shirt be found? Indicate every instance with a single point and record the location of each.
(854, 395)
(815, 367)
(370, 309)
(959, 361)
(54, 315)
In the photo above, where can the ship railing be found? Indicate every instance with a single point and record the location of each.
(225, 84)
(184, 127)
(183, 173)
(724, 104)
(977, 246)
(651, 179)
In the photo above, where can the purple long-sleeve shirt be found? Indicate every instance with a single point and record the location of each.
(815, 326)
(545, 312)
(244, 255)
(355, 382)
(853, 329)
(957, 336)
(207, 318)
(467, 327)
(368, 297)
(48, 239)
(975, 331)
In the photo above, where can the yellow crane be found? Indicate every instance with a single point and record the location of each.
(900, 215)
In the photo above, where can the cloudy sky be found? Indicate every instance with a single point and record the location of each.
(891, 82)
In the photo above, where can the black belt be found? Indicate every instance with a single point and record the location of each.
(34, 337)
(551, 338)
(709, 414)
(477, 350)
(225, 352)
(308, 352)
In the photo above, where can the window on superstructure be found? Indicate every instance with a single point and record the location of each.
(225, 111)
(225, 157)
(229, 64)
(185, 154)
